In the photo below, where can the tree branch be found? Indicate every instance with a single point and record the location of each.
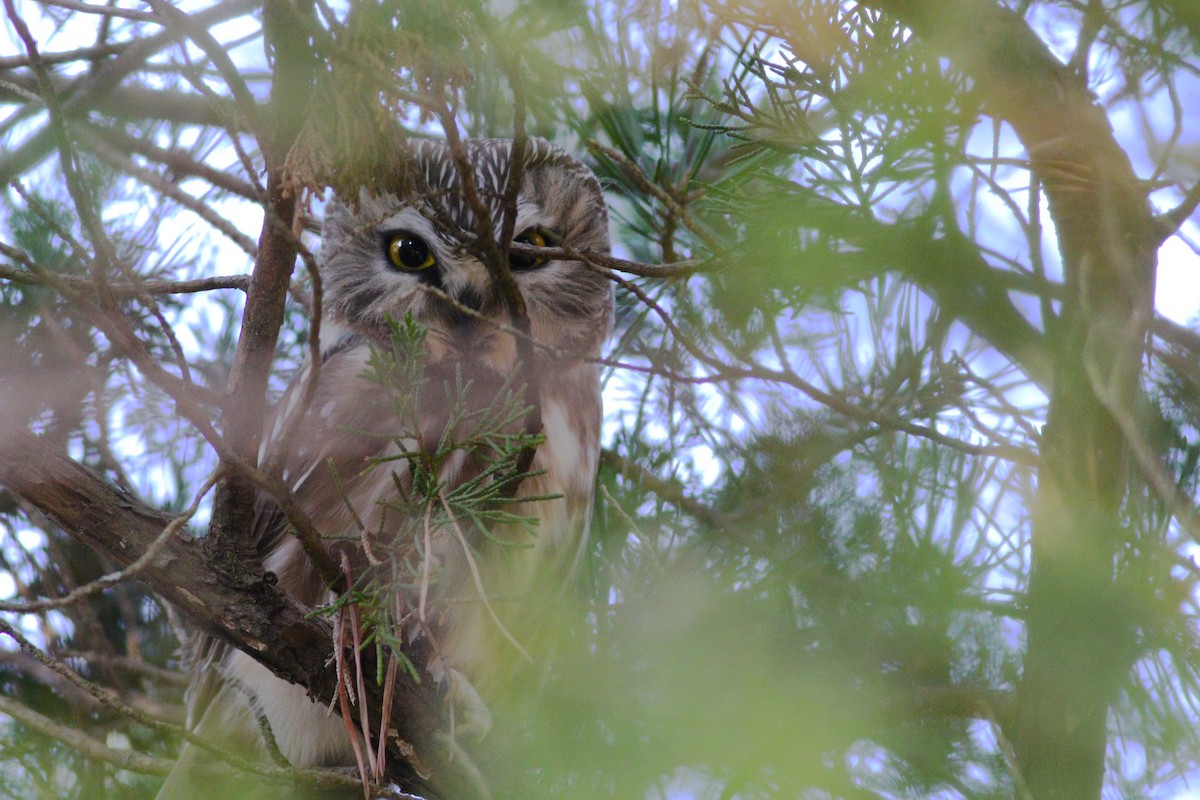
(131, 760)
(1171, 221)
(92, 89)
(229, 543)
(253, 617)
(1079, 643)
(216, 282)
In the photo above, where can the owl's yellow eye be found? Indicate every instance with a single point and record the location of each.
(409, 252)
(521, 261)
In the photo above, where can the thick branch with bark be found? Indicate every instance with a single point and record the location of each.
(253, 616)
(229, 543)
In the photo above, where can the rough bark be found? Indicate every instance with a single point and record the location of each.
(254, 617)
(218, 581)
(229, 541)
(1079, 642)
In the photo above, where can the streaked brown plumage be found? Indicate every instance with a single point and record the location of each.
(349, 425)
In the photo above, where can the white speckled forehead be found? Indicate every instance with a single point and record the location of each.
(490, 160)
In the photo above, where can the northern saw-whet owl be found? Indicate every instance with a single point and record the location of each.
(411, 250)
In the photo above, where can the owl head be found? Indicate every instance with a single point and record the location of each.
(413, 248)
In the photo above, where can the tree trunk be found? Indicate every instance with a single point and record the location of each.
(1079, 644)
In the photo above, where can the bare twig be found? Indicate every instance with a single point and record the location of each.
(787, 377)
(214, 283)
(644, 183)
(262, 319)
(72, 737)
(133, 665)
(178, 162)
(678, 269)
(93, 90)
(670, 491)
(107, 581)
(167, 189)
(69, 161)
(186, 25)
(103, 11)
(1171, 221)
(64, 57)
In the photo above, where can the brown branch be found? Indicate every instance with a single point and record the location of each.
(131, 102)
(1171, 221)
(103, 11)
(32, 669)
(228, 543)
(63, 57)
(117, 526)
(788, 377)
(252, 616)
(177, 161)
(166, 188)
(172, 529)
(131, 665)
(189, 26)
(68, 159)
(236, 560)
(26, 278)
(643, 182)
(678, 269)
(668, 490)
(1176, 334)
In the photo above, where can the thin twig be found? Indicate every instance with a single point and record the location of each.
(643, 182)
(112, 579)
(168, 189)
(178, 162)
(787, 377)
(676, 269)
(69, 161)
(193, 286)
(1170, 222)
(72, 737)
(186, 25)
(478, 579)
(65, 56)
(103, 11)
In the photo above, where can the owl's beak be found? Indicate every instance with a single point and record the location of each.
(466, 300)
(461, 316)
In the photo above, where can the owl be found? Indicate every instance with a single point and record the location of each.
(409, 254)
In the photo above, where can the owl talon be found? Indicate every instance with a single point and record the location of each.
(470, 716)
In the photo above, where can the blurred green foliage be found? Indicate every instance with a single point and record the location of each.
(811, 542)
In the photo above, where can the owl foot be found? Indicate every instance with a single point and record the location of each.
(470, 717)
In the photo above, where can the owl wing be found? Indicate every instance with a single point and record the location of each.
(230, 693)
(333, 451)
(333, 465)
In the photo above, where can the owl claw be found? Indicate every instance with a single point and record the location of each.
(470, 716)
